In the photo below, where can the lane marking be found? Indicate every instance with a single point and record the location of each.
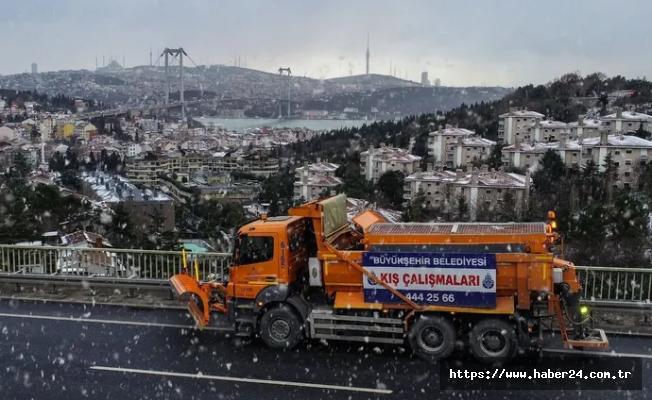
(598, 353)
(243, 380)
(112, 321)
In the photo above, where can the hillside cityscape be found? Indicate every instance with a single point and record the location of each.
(151, 180)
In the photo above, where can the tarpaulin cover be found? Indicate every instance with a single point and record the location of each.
(335, 217)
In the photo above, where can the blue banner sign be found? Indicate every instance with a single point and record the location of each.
(445, 279)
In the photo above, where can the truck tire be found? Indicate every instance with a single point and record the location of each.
(493, 342)
(280, 328)
(432, 338)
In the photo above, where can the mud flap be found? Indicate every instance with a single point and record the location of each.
(187, 288)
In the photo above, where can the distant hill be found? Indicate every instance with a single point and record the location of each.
(137, 86)
(375, 80)
(410, 100)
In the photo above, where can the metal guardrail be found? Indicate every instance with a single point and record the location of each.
(616, 284)
(604, 287)
(108, 262)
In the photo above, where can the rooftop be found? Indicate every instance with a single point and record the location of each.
(320, 167)
(458, 228)
(485, 178)
(355, 206)
(114, 189)
(452, 131)
(548, 123)
(537, 147)
(328, 181)
(587, 122)
(522, 113)
(83, 238)
(627, 141)
(615, 141)
(631, 115)
(478, 141)
(391, 154)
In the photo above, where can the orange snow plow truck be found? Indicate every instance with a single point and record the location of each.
(313, 274)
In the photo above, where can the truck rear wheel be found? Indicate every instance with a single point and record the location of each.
(432, 338)
(280, 328)
(493, 341)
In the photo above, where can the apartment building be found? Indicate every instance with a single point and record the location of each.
(114, 189)
(625, 121)
(375, 162)
(240, 192)
(146, 171)
(133, 150)
(483, 189)
(626, 151)
(315, 179)
(515, 123)
(545, 130)
(525, 155)
(585, 127)
(453, 146)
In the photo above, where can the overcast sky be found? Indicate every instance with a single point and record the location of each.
(462, 42)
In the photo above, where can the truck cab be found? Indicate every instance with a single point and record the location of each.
(270, 261)
(269, 252)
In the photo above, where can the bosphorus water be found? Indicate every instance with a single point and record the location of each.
(241, 124)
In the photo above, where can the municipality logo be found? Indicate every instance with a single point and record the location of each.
(371, 281)
(487, 282)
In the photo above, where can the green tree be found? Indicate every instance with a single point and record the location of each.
(640, 132)
(34, 134)
(550, 172)
(588, 232)
(18, 172)
(354, 184)
(418, 209)
(495, 159)
(170, 241)
(551, 186)
(391, 187)
(70, 178)
(590, 182)
(609, 178)
(507, 208)
(122, 232)
(462, 208)
(629, 218)
(183, 216)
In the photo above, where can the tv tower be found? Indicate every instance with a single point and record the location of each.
(367, 54)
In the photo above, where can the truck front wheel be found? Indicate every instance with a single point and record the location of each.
(432, 338)
(280, 328)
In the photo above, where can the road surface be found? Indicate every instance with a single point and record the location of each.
(70, 351)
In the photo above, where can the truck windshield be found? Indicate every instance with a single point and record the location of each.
(253, 249)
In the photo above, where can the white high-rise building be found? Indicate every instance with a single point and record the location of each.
(424, 78)
(368, 55)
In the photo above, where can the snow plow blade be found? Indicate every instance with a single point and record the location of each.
(187, 288)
